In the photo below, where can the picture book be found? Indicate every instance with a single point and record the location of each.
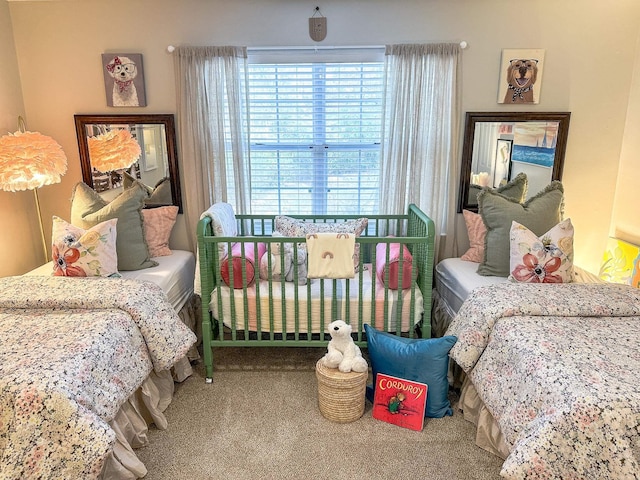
(399, 401)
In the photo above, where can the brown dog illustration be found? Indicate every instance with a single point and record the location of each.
(521, 76)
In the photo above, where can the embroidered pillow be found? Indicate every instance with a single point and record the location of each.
(158, 223)
(476, 231)
(544, 259)
(84, 253)
(292, 227)
(88, 209)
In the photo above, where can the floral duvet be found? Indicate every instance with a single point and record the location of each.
(72, 351)
(558, 368)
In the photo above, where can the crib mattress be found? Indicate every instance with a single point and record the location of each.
(315, 301)
(174, 274)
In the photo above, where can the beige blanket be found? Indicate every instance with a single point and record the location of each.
(330, 255)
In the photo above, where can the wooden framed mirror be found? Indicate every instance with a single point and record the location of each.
(157, 166)
(500, 145)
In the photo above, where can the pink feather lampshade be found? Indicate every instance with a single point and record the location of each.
(113, 150)
(28, 161)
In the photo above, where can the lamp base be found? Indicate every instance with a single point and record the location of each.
(44, 241)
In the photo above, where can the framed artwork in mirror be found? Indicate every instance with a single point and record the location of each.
(151, 139)
(499, 145)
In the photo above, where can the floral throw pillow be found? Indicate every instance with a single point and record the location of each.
(293, 227)
(544, 259)
(84, 253)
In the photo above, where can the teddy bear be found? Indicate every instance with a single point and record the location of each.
(279, 270)
(278, 273)
(342, 352)
(301, 268)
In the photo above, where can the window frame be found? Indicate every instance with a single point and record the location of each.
(319, 145)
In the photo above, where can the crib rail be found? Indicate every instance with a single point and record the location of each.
(268, 325)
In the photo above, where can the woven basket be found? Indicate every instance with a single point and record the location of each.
(340, 395)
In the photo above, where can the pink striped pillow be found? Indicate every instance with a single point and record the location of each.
(476, 230)
(158, 223)
(251, 257)
(394, 264)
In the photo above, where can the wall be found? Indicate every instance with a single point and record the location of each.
(19, 231)
(625, 220)
(590, 52)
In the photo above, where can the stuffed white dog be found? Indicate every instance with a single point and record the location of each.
(342, 352)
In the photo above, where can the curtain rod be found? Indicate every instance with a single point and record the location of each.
(463, 45)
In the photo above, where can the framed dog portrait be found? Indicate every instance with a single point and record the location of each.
(124, 79)
(520, 76)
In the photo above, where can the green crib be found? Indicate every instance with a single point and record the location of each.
(267, 312)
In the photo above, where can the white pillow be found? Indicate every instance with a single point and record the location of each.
(84, 253)
(544, 259)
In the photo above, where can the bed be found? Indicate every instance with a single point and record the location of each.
(245, 309)
(171, 280)
(82, 362)
(547, 353)
(551, 377)
(174, 274)
(455, 279)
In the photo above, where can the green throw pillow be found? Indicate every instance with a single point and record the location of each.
(89, 209)
(161, 194)
(156, 196)
(539, 214)
(516, 188)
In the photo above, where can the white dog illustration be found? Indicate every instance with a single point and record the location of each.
(123, 70)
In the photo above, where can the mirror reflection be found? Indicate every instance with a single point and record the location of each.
(116, 150)
(500, 146)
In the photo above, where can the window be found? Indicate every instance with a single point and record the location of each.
(314, 133)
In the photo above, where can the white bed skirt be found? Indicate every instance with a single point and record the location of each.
(191, 317)
(146, 406)
(488, 434)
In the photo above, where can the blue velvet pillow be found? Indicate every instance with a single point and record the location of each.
(421, 360)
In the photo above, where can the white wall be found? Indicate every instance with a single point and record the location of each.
(590, 52)
(625, 222)
(19, 231)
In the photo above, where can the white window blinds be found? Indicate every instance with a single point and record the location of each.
(315, 137)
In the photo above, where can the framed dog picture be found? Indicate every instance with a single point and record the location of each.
(520, 76)
(124, 79)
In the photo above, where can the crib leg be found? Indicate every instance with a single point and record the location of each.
(206, 348)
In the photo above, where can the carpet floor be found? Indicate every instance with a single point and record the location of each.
(259, 419)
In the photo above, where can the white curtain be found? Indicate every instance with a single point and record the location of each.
(211, 95)
(420, 138)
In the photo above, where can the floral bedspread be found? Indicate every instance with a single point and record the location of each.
(72, 351)
(557, 366)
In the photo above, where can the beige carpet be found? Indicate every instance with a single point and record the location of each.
(260, 420)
